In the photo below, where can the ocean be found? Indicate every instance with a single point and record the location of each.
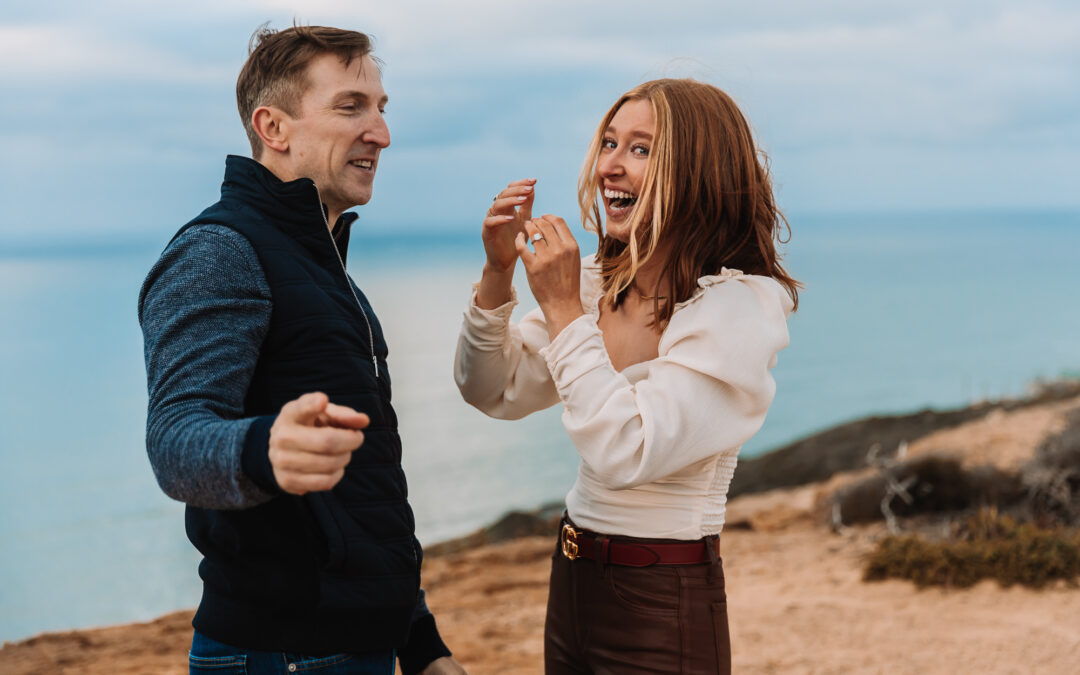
(900, 312)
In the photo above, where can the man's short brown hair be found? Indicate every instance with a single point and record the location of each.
(276, 69)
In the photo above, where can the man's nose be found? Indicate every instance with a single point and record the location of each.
(378, 133)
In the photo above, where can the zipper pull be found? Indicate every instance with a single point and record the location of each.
(375, 361)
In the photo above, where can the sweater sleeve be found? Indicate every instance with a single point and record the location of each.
(204, 310)
(425, 644)
(708, 391)
(498, 367)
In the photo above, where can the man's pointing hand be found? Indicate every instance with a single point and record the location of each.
(312, 441)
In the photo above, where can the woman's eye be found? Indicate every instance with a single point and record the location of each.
(607, 144)
(640, 150)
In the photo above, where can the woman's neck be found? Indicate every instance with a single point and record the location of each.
(648, 276)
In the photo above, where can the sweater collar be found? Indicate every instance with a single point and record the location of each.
(293, 206)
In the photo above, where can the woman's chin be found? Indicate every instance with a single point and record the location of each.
(618, 233)
(617, 227)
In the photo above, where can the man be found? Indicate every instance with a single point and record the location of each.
(264, 363)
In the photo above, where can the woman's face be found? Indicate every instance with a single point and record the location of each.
(620, 169)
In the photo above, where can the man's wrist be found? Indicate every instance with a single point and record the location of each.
(255, 457)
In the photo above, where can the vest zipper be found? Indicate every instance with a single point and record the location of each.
(348, 282)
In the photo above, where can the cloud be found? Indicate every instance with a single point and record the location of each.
(858, 104)
(54, 54)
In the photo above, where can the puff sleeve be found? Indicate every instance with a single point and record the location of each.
(498, 367)
(708, 390)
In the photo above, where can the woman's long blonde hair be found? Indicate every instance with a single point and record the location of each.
(705, 193)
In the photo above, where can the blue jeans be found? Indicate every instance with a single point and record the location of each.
(214, 658)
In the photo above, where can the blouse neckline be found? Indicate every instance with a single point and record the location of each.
(596, 292)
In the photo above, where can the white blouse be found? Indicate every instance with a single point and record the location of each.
(659, 440)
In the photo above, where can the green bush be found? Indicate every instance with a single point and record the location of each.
(986, 546)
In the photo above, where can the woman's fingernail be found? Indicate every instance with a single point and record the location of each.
(520, 199)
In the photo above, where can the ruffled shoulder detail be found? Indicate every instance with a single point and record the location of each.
(726, 274)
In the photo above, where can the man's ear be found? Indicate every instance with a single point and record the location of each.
(272, 126)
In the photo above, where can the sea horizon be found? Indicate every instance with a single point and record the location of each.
(902, 311)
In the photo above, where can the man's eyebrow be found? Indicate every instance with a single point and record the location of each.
(359, 96)
(633, 134)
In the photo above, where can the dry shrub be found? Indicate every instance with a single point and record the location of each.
(937, 485)
(985, 546)
(1052, 477)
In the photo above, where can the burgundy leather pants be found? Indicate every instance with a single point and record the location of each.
(613, 619)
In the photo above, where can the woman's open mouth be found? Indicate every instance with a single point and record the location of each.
(618, 203)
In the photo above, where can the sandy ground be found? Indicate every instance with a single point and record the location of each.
(796, 599)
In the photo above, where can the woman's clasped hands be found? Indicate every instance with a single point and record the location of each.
(552, 265)
(505, 219)
(553, 268)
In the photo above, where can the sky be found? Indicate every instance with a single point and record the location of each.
(116, 116)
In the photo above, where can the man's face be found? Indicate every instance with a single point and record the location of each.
(339, 131)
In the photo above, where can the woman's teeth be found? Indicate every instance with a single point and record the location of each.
(620, 200)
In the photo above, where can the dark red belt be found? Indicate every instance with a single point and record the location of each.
(576, 543)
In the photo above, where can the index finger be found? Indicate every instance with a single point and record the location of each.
(305, 409)
(324, 440)
(564, 230)
(344, 416)
(557, 226)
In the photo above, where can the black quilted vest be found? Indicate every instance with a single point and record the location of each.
(329, 572)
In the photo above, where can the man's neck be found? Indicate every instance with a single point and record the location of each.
(332, 218)
(286, 174)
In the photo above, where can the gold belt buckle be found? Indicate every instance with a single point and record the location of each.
(568, 537)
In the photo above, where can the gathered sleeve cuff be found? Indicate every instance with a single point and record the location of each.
(497, 366)
(487, 328)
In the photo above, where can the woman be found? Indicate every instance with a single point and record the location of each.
(659, 348)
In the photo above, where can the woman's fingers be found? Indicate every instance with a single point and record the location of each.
(495, 221)
(503, 206)
(524, 253)
(555, 232)
(532, 229)
(547, 231)
(560, 227)
(518, 188)
(553, 269)
(525, 208)
(514, 194)
(555, 229)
